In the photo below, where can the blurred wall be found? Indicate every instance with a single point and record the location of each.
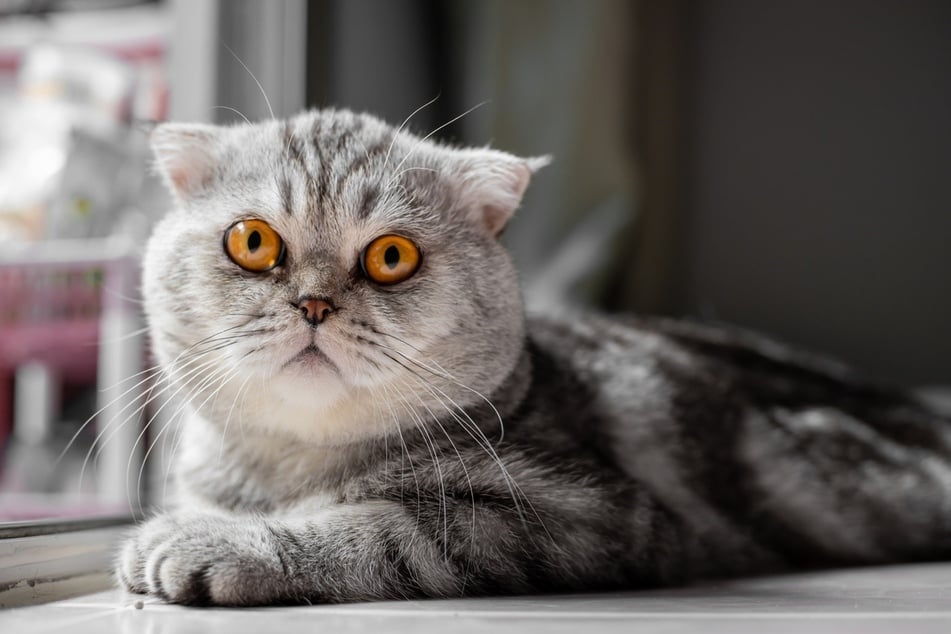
(780, 165)
(532, 77)
(819, 177)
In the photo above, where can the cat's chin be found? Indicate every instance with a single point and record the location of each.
(309, 400)
(311, 361)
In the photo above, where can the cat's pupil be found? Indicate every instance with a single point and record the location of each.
(391, 256)
(254, 241)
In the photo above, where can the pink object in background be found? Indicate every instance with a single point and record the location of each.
(70, 306)
(49, 313)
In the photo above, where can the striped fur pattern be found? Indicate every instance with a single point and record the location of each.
(440, 444)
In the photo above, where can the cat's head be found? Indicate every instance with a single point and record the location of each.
(329, 275)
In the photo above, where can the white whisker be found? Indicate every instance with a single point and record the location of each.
(425, 138)
(386, 161)
(434, 454)
(465, 471)
(475, 432)
(443, 373)
(234, 110)
(260, 87)
(106, 438)
(409, 457)
(214, 376)
(224, 431)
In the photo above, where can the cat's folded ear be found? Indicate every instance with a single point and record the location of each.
(490, 184)
(185, 156)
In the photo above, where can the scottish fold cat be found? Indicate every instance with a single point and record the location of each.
(371, 415)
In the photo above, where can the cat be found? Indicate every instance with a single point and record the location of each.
(371, 415)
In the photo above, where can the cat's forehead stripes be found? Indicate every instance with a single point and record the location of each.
(371, 195)
(296, 155)
(363, 158)
(320, 173)
(287, 193)
(334, 161)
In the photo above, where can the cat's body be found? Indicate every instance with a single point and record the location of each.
(421, 439)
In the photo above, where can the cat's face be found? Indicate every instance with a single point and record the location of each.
(329, 276)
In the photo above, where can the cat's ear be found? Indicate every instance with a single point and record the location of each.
(185, 154)
(490, 184)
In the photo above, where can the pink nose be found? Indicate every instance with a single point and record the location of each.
(315, 310)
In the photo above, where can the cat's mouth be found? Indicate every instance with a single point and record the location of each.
(311, 356)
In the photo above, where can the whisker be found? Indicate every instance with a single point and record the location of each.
(444, 500)
(93, 417)
(132, 300)
(443, 374)
(260, 87)
(433, 453)
(130, 335)
(386, 161)
(409, 457)
(217, 374)
(180, 409)
(148, 452)
(105, 439)
(234, 110)
(475, 432)
(224, 432)
(420, 141)
(218, 342)
(176, 445)
(151, 371)
(465, 471)
(415, 168)
(89, 420)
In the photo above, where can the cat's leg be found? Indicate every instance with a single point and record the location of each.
(364, 551)
(348, 552)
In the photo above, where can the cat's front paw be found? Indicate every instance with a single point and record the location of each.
(199, 559)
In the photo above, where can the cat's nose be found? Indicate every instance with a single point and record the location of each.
(315, 309)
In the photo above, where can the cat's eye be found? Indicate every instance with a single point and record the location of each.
(390, 259)
(254, 245)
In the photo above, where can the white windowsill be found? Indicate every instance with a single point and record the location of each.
(911, 599)
(54, 560)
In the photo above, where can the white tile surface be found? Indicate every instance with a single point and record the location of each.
(906, 599)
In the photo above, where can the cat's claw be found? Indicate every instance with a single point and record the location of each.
(204, 560)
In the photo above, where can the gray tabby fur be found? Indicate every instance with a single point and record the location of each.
(439, 444)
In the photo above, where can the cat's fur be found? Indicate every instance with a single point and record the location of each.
(440, 444)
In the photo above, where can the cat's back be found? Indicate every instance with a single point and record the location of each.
(632, 361)
(631, 367)
(759, 447)
(701, 384)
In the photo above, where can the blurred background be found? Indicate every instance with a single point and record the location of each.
(781, 166)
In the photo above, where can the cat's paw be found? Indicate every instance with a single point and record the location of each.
(198, 559)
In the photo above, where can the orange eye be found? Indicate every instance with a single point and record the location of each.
(254, 246)
(390, 259)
